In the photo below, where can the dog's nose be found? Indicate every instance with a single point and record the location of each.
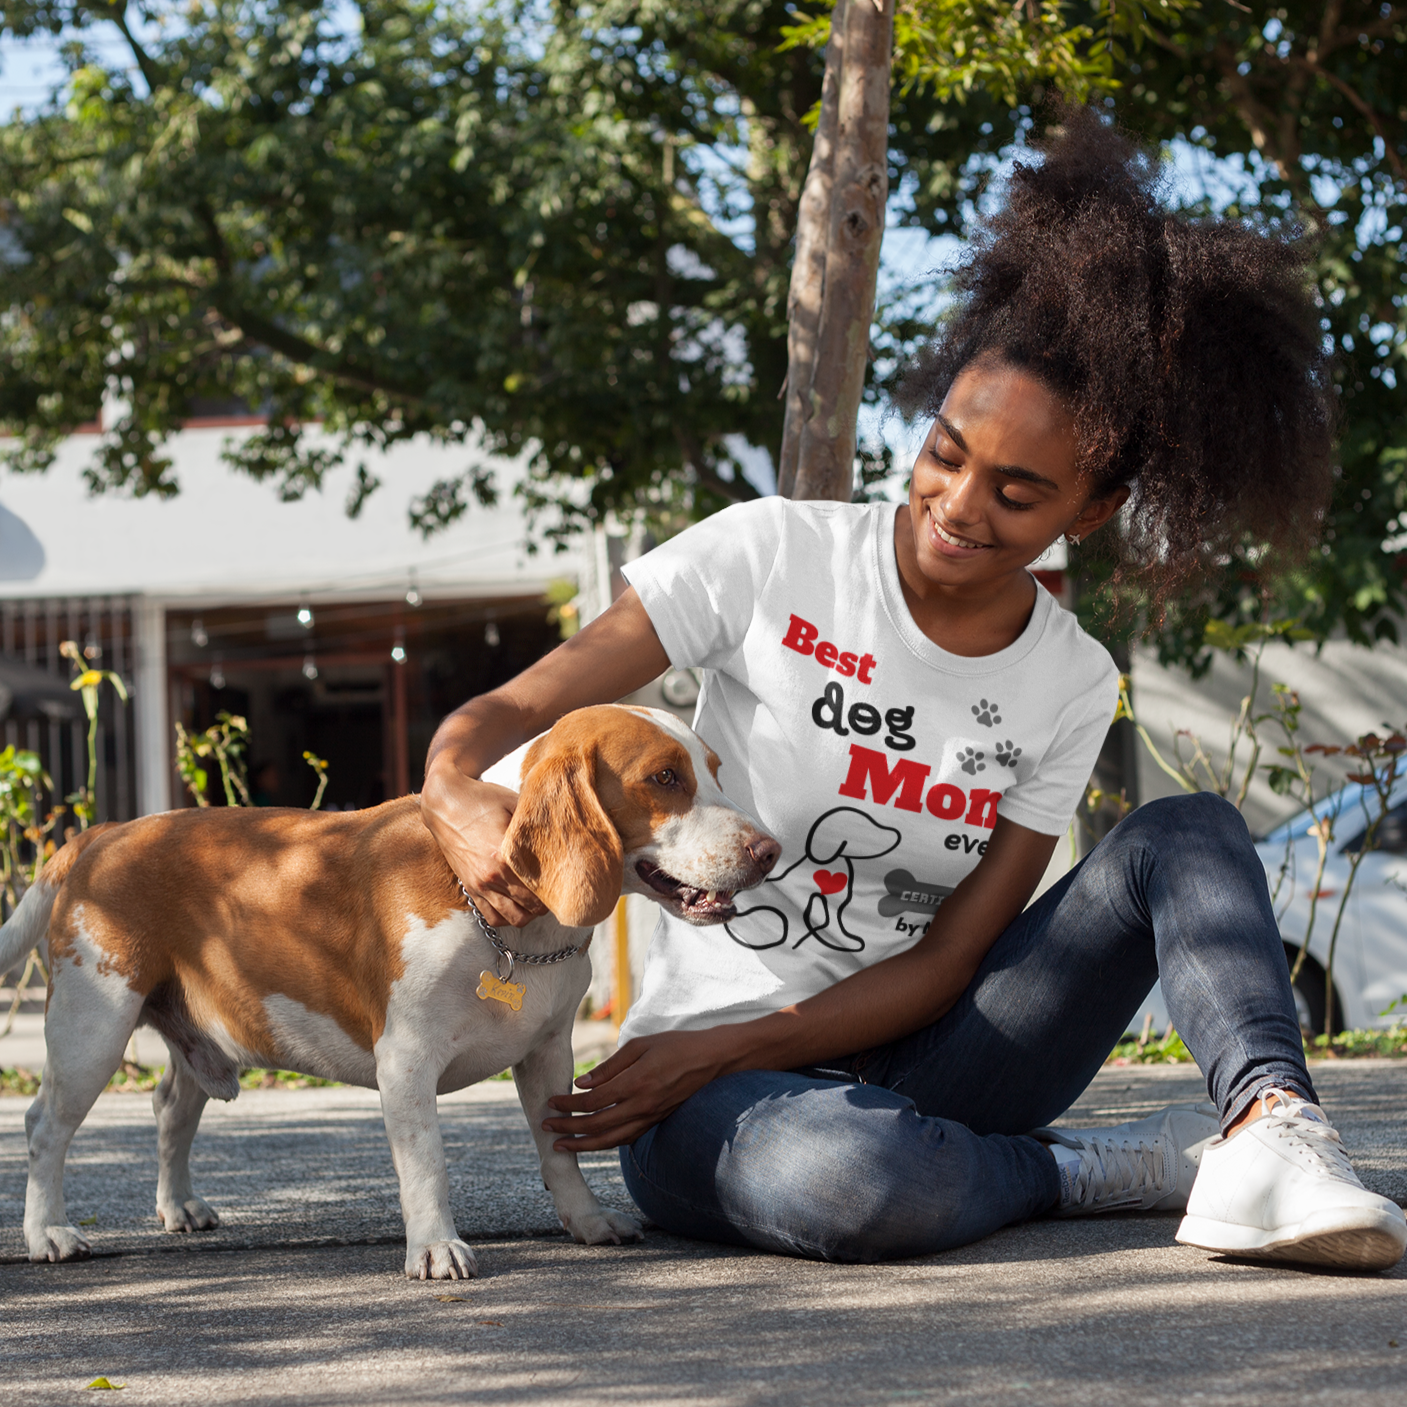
(765, 853)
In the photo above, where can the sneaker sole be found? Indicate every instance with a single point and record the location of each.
(1358, 1239)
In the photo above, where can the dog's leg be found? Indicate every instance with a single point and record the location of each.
(178, 1101)
(91, 1017)
(433, 1248)
(539, 1075)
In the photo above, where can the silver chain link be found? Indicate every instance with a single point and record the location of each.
(504, 951)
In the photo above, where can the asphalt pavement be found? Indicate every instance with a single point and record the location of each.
(298, 1297)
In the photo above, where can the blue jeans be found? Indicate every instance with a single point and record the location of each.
(918, 1146)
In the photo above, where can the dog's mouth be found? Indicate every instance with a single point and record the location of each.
(687, 900)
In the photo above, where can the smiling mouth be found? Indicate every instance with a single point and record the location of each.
(953, 538)
(693, 902)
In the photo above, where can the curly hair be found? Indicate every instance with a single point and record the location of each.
(1188, 350)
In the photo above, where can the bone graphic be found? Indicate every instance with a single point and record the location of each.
(906, 892)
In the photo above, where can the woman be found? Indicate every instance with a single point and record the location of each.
(860, 1064)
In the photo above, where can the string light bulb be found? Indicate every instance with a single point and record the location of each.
(310, 667)
(305, 616)
(198, 636)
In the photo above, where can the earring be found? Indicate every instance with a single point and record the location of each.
(1073, 539)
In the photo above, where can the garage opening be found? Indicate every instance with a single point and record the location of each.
(362, 684)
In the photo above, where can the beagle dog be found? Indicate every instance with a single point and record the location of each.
(341, 945)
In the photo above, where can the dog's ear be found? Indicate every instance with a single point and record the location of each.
(849, 832)
(561, 843)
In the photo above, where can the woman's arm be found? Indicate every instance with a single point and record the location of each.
(647, 1079)
(616, 654)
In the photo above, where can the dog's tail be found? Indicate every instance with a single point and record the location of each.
(28, 925)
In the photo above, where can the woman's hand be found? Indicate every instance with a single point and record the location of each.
(469, 819)
(645, 1081)
(616, 654)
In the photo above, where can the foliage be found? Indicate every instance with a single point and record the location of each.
(86, 684)
(1148, 1049)
(133, 1078)
(562, 608)
(581, 1067)
(319, 766)
(282, 1079)
(455, 221)
(1309, 101)
(564, 230)
(16, 1079)
(1359, 1044)
(226, 741)
(22, 780)
(24, 846)
(561, 230)
(1379, 762)
(953, 48)
(1351, 1045)
(23, 833)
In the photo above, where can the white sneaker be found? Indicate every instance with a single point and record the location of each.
(1148, 1165)
(1282, 1188)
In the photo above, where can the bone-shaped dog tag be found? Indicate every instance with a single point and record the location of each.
(493, 988)
(907, 893)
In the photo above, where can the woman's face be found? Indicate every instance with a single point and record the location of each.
(996, 481)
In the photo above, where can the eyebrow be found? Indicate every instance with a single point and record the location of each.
(1012, 471)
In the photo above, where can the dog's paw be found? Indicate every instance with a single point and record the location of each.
(604, 1227)
(56, 1243)
(191, 1215)
(440, 1260)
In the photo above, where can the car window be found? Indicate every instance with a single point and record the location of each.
(1391, 836)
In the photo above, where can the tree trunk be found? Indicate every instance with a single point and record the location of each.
(839, 231)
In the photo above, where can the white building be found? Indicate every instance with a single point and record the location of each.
(350, 638)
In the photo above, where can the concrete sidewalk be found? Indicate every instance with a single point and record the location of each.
(298, 1297)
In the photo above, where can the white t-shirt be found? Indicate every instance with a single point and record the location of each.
(877, 759)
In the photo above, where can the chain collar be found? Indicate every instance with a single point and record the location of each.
(504, 951)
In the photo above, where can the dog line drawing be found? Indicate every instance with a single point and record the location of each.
(837, 839)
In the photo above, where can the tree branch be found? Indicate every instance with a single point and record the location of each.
(1365, 110)
(299, 349)
(736, 490)
(258, 328)
(1382, 28)
(152, 72)
(1259, 121)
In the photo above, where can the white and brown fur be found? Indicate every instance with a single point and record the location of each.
(339, 945)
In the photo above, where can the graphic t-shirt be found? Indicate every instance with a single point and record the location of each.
(877, 759)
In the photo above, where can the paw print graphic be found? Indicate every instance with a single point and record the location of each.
(972, 761)
(1007, 753)
(986, 713)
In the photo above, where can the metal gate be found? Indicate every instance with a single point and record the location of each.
(32, 631)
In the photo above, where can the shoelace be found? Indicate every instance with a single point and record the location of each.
(1309, 1135)
(1115, 1170)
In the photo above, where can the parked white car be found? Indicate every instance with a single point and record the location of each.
(1370, 960)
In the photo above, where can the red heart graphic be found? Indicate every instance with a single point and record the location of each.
(829, 881)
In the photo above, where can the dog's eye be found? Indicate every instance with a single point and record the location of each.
(666, 778)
